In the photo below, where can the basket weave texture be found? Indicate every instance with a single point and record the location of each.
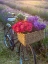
(31, 37)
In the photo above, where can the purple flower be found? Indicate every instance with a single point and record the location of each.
(32, 19)
(39, 26)
(43, 26)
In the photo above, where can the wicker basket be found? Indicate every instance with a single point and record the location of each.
(30, 37)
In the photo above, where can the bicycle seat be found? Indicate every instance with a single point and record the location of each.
(11, 19)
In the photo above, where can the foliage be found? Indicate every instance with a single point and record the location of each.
(20, 17)
(45, 41)
(31, 11)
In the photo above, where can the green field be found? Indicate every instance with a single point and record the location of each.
(35, 8)
(39, 8)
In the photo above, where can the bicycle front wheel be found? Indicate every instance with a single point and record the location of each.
(27, 55)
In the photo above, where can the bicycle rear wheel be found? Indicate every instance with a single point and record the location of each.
(8, 38)
(27, 55)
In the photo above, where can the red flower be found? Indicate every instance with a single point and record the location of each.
(13, 27)
(29, 27)
(22, 26)
(17, 30)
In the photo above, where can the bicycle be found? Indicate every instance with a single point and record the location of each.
(23, 51)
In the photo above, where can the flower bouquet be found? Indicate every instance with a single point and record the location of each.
(29, 30)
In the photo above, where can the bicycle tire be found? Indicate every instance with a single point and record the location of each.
(27, 60)
(21, 57)
(8, 40)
